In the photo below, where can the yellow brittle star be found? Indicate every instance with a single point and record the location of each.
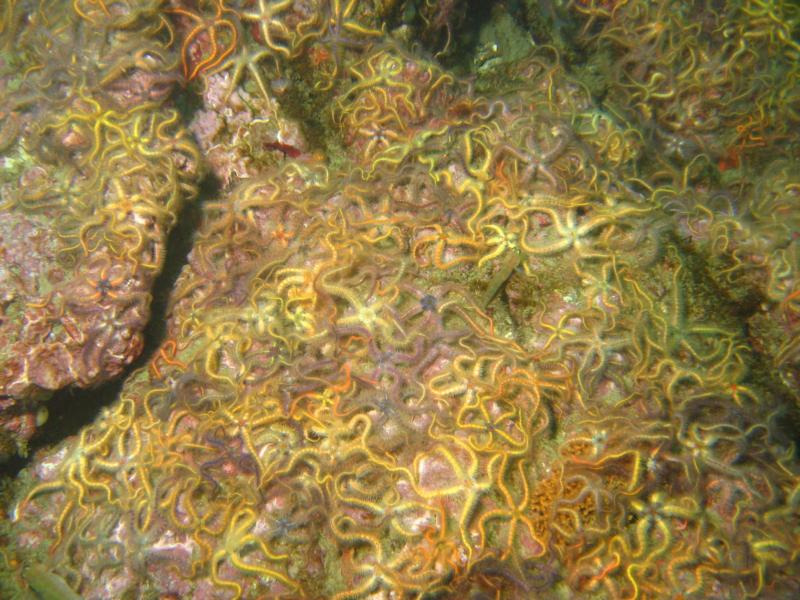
(236, 538)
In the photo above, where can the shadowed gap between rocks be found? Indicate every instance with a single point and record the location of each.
(73, 408)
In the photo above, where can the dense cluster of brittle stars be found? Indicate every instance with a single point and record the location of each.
(440, 371)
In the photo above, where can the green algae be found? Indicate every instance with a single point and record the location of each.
(14, 164)
(334, 578)
(47, 585)
(499, 279)
(501, 40)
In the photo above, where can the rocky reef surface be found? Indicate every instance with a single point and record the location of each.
(495, 305)
(94, 169)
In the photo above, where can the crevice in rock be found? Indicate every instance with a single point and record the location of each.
(73, 408)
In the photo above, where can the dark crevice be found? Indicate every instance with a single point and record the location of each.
(464, 40)
(73, 408)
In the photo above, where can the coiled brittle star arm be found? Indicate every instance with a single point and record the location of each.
(466, 482)
(237, 537)
(213, 25)
(571, 232)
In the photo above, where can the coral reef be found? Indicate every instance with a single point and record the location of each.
(436, 336)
